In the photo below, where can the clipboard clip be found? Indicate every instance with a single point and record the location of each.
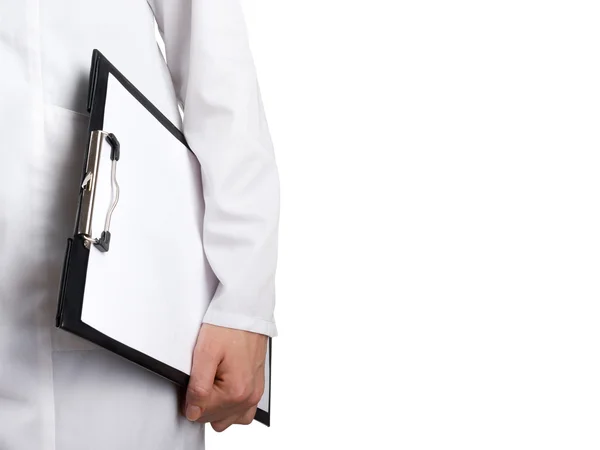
(89, 184)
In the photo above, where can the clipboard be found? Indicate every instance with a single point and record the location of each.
(135, 278)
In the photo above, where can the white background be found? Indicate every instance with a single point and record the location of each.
(440, 232)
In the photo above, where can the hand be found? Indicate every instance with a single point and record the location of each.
(228, 377)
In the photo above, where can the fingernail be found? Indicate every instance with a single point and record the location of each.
(192, 413)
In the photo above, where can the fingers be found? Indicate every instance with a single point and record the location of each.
(245, 418)
(231, 399)
(202, 379)
(244, 413)
(241, 407)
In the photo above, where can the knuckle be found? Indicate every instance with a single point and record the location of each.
(240, 393)
(255, 397)
(247, 419)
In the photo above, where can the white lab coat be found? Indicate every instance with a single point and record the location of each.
(58, 392)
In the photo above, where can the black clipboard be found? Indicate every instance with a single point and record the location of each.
(75, 269)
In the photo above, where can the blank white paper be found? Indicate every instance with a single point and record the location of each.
(151, 289)
(264, 401)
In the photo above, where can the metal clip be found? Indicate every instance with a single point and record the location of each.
(89, 184)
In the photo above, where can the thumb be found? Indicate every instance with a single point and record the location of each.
(202, 379)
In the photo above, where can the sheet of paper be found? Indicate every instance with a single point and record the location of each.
(151, 290)
(264, 401)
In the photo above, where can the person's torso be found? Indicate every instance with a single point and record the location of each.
(58, 392)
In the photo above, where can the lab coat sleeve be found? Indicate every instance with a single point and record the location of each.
(213, 73)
